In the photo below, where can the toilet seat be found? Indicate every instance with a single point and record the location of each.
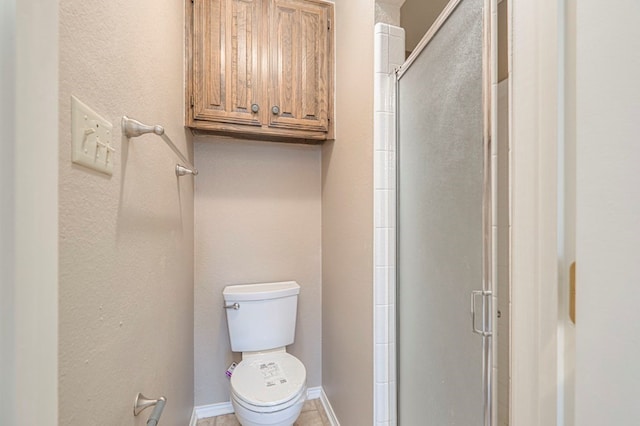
(268, 382)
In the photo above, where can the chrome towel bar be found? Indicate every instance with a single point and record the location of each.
(133, 128)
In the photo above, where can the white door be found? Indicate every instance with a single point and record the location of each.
(608, 213)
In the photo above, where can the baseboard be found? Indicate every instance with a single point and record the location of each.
(212, 410)
(194, 418)
(331, 415)
(314, 393)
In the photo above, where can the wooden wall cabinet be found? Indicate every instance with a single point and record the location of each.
(261, 69)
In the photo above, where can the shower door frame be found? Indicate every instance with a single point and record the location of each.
(489, 219)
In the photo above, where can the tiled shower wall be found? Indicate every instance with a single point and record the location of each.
(388, 56)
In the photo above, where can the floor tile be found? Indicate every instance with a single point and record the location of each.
(209, 421)
(226, 420)
(309, 418)
(323, 414)
(309, 405)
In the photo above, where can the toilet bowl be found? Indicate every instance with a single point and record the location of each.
(269, 385)
(268, 388)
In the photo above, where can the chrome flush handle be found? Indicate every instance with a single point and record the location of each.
(235, 306)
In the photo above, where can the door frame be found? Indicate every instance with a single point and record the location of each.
(535, 108)
(29, 194)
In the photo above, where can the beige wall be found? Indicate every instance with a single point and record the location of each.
(502, 242)
(503, 40)
(126, 241)
(257, 219)
(347, 222)
(416, 17)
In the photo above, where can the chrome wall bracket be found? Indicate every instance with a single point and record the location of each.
(181, 171)
(142, 402)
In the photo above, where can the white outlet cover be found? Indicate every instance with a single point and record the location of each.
(91, 137)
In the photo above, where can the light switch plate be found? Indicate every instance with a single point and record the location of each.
(91, 138)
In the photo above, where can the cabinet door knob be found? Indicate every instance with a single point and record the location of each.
(275, 110)
(255, 107)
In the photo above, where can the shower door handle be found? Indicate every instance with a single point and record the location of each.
(483, 295)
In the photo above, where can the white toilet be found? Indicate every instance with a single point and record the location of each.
(269, 386)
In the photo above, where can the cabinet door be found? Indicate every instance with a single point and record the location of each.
(299, 65)
(226, 60)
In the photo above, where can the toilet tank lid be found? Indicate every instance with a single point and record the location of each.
(261, 291)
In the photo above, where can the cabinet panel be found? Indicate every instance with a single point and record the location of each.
(226, 60)
(262, 53)
(299, 85)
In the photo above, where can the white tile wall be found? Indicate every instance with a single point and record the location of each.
(389, 55)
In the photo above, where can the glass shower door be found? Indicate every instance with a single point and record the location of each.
(443, 366)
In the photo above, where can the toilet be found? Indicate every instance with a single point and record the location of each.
(269, 385)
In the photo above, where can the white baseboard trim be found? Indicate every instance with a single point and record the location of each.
(314, 393)
(331, 415)
(194, 418)
(212, 410)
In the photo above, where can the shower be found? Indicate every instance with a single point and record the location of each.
(446, 229)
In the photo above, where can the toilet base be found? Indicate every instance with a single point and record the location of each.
(285, 417)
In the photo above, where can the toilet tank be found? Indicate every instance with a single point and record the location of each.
(266, 315)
